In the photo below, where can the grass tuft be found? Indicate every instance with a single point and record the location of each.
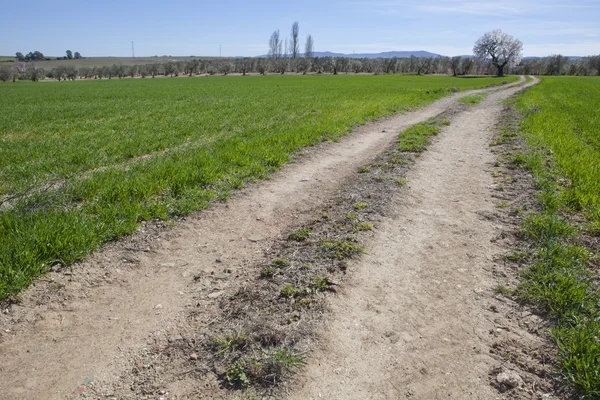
(300, 235)
(473, 99)
(340, 249)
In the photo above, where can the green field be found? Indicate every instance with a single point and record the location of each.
(562, 115)
(83, 162)
(562, 130)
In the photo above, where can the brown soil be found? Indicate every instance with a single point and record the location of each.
(416, 317)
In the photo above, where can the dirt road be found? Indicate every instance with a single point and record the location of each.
(410, 322)
(414, 321)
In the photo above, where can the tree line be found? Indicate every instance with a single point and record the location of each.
(552, 65)
(39, 56)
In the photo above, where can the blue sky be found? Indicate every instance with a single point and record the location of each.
(185, 27)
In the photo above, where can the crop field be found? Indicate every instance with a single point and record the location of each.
(82, 163)
(562, 115)
(562, 129)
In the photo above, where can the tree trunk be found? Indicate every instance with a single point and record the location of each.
(500, 70)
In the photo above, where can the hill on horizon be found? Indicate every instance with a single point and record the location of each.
(385, 54)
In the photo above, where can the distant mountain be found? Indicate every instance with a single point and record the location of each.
(387, 54)
(402, 54)
(572, 58)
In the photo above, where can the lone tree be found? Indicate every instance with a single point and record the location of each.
(295, 41)
(69, 54)
(502, 48)
(309, 47)
(455, 64)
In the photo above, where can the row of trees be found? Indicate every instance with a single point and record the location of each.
(553, 65)
(290, 48)
(39, 56)
(560, 65)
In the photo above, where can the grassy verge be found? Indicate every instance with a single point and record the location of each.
(83, 163)
(560, 131)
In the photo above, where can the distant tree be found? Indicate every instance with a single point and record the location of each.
(389, 65)
(118, 70)
(555, 64)
(5, 73)
(225, 67)
(318, 64)
(211, 68)
(594, 63)
(275, 45)
(328, 65)
(367, 65)
(107, 71)
(420, 65)
(59, 72)
(466, 65)
(32, 56)
(501, 48)
(18, 69)
(33, 74)
(294, 40)
(244, 65)
(309, 47)
(261, 66)
(191, 67)
(86, 72)
(20, 56)
(455, 64)
(303, 65)
(170, 68)
(132, 71)
(77, 55)
(71, 72)
(377, 66)
(340, 64)
(281, 65)
(153, 69)
(356, 66)
(69, 54)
